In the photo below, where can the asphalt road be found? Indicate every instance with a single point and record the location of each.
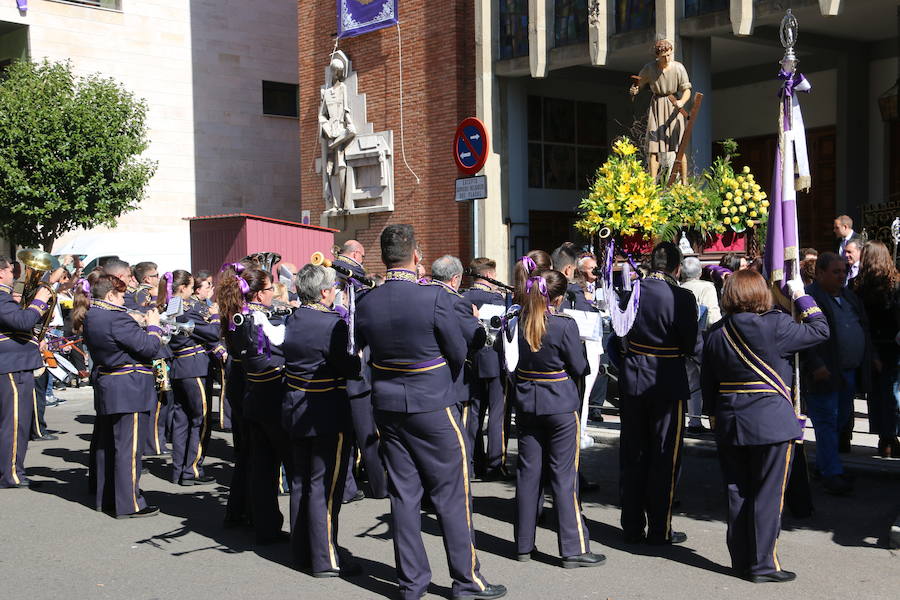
(55, 546)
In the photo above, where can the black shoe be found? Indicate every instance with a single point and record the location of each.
(350, 569)
(698, 430)
(500, 474)
(198, 480)
(524, 556)
(776, 577)
(836, 485)
(678, 537)
(47, 437)
(588, 486)
(588, 559)
(27, 483)
(147, 511)
(490, 591)
(359, 495)
(162, 454)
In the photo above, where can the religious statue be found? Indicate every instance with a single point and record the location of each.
(336, 132)
(668, 80)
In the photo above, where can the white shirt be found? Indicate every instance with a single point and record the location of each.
(705, 293)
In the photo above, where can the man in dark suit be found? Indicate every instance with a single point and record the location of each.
(843, 230)
(654, 388)
(417, 353)
(832, 368)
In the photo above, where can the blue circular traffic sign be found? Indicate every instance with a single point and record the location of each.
(471, 146)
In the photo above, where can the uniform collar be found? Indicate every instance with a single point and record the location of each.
(400, 275)
(6, 288)
(107, 305)
(318, 307)
(349, 260)
(259, 307)
(663, 277)
(482, 286)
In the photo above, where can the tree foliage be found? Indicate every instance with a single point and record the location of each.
(70, 151)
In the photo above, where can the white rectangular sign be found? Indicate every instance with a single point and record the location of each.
(471, 188)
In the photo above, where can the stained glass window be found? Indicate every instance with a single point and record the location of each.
(566, 142)
(692, 8)
(571, 25)
(513, 28)
(634, 14)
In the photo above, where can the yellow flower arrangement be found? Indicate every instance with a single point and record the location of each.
(742, 199)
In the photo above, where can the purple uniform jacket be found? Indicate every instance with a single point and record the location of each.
(317, 368)
(189, 352)
(664, 331)
(122, 353)
(263, 364)
(487, 360)
(545, 380)
(417, 346)
(18, 348)
(747, 411)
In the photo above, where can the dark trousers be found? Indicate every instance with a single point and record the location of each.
(882, 404)
(118, 464)
(238, 508)
(319, 468)
(269, 448)
(649, 464)
(488, 401)
(38, 424)
(189, 428)
(153, 427)
(552, 441)
(16, 415)
(221, 373)
(426, 453)
(169, 415)
(755, 481)
(368, 444)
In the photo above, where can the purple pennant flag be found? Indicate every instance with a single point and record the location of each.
(356, 17)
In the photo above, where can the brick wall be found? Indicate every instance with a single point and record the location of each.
(439, 91)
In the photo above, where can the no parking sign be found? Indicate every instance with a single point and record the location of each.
(471, 146)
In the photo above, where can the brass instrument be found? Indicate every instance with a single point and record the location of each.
(161, 375)
(318, 259)
(605, 233)
(265, 260)
(37, 264)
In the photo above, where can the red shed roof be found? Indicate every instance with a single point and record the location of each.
(260, 218)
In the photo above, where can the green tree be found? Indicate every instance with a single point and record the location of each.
(70, 151)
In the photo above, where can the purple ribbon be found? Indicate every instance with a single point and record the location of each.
(84, 286)
(791, 80)
(238, 267)
(541, 284)
(529, 264)
(245, 289)
(262, 343)
(168, 278)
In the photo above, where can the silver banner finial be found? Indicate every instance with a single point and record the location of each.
(789, 32)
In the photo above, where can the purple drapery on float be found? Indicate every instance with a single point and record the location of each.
(791, 173)
(356, 17)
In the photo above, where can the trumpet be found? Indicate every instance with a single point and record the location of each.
(37, 264)
(318, 259)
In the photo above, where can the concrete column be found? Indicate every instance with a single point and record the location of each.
(830, 8)
(666, 19)
(601, 18)
(741, 13)
(852, 179)
(697, 52)
(493, 239)
(538, 47)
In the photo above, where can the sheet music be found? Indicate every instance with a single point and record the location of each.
(590, 324)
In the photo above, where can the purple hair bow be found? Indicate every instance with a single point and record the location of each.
(541, 284)
(84, 286)
(168, 278)
(238, 267)
(528, 263)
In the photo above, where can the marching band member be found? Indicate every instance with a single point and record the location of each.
(654, 388)
(147, 275)
(19, 357)
(316, 413)
(551, 358)
(189, 367)
(351, 256)
(746, 384)
(416, 354)
(487, 389)
(123, 389)
(534, 261)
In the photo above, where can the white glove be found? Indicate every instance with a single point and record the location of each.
(796, 288)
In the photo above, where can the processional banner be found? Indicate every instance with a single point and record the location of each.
(356, 17)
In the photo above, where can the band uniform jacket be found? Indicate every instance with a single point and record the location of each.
(417, 346)
(664, 331)
(487, 360)
(545, 380)
(345, 261)
(18, 347)
(189, 352)
(317, 367)
(575, 299)
(745, 417)
(263, 364)
(122, 353)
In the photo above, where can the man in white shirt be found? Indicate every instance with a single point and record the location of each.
(705, 293)
(843, 230)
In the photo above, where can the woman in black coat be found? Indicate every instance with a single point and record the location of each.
(747, 376)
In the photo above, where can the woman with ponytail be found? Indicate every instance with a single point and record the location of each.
(530, 264)
(551, 359)
(188, 373)
(245, 306)
(124, 389)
